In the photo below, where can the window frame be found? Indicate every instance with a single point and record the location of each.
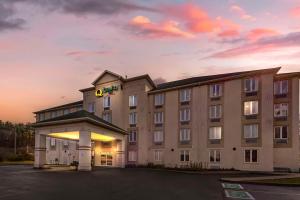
(185, 154)
(251, 107)
(185, 116)
(91, 105)
(215, 160)
(251, 156)
(158, 136)
(213, 112)
(215, 133)
(106, 102)
(159, 99)
(132, 154)
(184, 134)
(280, 87)
(133, 115)
(215, 90)
(158, 117)
(133, 100)
(280, 109)
(251, 131)
(132, 139)
(281, 132)
(253, 81)
(185, 95)
(158, 155)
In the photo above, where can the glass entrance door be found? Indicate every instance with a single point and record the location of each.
(106, 159)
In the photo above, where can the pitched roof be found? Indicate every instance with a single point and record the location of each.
(217, 77)
(73, 104)
(107, 72)
(145, 76)
(288, 75)
(80, 116)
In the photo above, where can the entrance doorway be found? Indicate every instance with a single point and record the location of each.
(106, 159)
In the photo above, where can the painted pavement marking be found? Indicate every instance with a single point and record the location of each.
(232, 186)
(237, 194)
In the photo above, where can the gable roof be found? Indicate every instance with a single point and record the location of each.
(107, 72)
(73, 104)
(80, 116)
(211, 78)
(145, 76)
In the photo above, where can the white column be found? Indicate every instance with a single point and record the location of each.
(120, 153)
(40, 151)
(84, 151)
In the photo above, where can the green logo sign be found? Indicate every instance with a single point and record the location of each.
(109, 90)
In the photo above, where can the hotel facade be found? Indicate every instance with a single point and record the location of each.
(243, 120)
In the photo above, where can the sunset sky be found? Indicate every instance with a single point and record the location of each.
(49, 49)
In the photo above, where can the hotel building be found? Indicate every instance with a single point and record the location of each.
(244, 120)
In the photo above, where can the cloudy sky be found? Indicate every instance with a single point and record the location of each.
(51, 48)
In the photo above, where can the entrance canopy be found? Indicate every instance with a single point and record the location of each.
(82, 126)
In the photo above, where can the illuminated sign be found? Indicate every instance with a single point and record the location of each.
(109, 90)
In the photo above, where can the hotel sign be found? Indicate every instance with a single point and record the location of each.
(109, 90)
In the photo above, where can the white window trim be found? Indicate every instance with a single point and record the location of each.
(132, 156)
(185, 152)
(281, 128)
(158, 118)
(159, 99)
(185, 135)
(251, 106)
(214, 133)
(106, 103)
(280, 82)
(252, 81)
(251, 162)
(130, 138)
(132, 100)
(213, 111)
(213, 90)
(214, 156)
(158, 155)
(185, 95)
(185, 115)
(131, 116)
(251, 131)
(281, 110)
(158, 136)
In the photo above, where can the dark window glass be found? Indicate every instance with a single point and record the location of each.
(284, 132)
(247, 155)
(277, 132)
(254, 155)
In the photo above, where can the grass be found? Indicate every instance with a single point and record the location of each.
(283, 181)
(16, 163)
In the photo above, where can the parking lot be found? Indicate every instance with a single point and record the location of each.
(22, 182)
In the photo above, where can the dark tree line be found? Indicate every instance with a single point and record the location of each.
(23, 134)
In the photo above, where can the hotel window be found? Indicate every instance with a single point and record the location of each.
(251, 85)
(215, 112)
(251, 156)
(107, 117)
(159, 99)
(132, 156)
(185, 95)
(132, 101)
(66, 111)
(215, 133)
(91, 107)
(158, 118)
(184, 155)
(185, 135)
(53, 114)
(215, 90)
(214, 156)
(281, 132)
(251, 131)
(280, 110)
(184, 115)
(41, 116)
(251, 108)
(66, 143)
(157, 155)
(132, 118)
(106, 102)
(158, 137)
(52, 142)
(281, 87)
(132, 136)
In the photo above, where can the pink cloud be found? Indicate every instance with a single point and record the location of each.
(295, 11)
(263, 45)
(259, 33)
(242, 13)
(143, 26)
(87, 53)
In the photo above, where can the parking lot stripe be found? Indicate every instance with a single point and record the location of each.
(238, 194)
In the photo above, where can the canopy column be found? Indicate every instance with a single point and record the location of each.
(120, 153)
(84, 151)
(40, 151)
